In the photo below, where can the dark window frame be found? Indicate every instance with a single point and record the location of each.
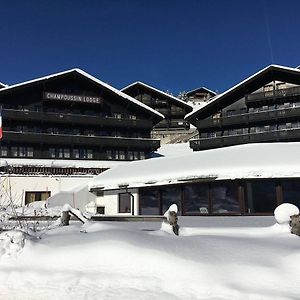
(120, 205)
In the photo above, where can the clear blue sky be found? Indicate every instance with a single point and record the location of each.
(173, 45)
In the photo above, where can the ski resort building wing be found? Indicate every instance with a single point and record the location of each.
(239, 180)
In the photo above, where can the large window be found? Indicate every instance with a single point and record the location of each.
(36, 196)
(291, 192)
(224, 198)
(149, 201)
(124, 203)
(196, 199)
(171, 195)
(260, 196)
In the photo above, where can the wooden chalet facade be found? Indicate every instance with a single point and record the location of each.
(73, 115)
(173, 109)
(263, 108)
(200, 95)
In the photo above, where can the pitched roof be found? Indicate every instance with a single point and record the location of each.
(201, 88)
(156, 90)
(249, 85)
(90, 77)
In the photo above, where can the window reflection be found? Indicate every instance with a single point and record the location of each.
(169, 196)
(196, 199)
(291, 192)
(225, 198)
(260, 197)
(149, 202)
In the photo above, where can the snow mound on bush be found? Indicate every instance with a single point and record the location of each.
(11, 243)
(283, 212)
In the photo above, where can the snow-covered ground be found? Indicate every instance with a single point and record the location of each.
(212, 258)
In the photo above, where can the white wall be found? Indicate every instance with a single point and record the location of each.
(110, 201)
(16, 186)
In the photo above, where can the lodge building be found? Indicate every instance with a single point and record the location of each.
(199, 95)
(263, 108)
(173, 109)
(74, 116)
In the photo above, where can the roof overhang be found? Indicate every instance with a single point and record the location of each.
(203, 88)
(89, 77)
(153, 89)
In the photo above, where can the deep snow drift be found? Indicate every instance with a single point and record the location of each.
(213, 258)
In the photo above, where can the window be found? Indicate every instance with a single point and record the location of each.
(83, 153)
(149, 201)
(29, 152)
(243, 110)
(101, 210)
(124, 203)
(117, 115)
(170, 195)
(60, 153)
(216, 115)
(22, 151)
(4, 151)
(122, 155)
(75, 153)
(130, 155)
(142, 155)
(291, 192)
(36, 196)
(89, 154)
(230, 112)
(109, 154)
(132, 117)
(211, 134)
(136, 155)
(52, 152)
(196, 199)
(260, 196)
(115, 154)
(14, 151)
(225, 198)
(66, 153)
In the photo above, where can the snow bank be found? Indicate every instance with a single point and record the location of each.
(11, 243)
(131, 261)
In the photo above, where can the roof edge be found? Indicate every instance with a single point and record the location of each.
(87, 75)
(271, 66)
(157, 90)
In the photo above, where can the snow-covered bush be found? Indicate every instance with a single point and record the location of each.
(284, 212)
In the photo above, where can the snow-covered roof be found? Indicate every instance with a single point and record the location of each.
(156, 90)
(201, 88)
(241, 84)
(92, 78)
(59, 163)
(263, 160)
(2, 85)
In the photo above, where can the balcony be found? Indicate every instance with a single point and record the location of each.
(249, 118)
(63, 139)
(61, 118)
(268, 136)
(274, 94)
(172, 124)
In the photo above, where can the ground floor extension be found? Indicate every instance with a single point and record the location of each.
(229, 197)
